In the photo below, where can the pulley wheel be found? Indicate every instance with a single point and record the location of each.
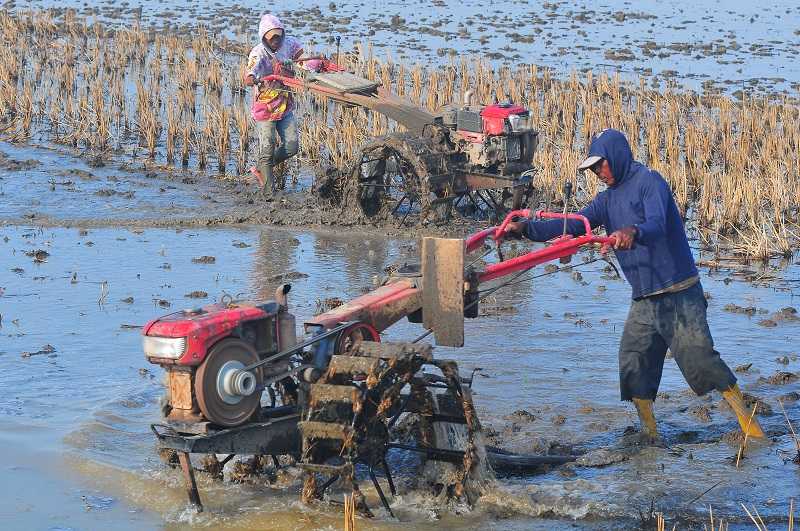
(211, 383)
(353, 333)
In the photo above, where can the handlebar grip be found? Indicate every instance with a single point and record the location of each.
(500, 232)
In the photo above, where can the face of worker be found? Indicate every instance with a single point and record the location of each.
(603, 171)
(274, 41)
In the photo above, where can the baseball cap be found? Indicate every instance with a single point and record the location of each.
(589, 162)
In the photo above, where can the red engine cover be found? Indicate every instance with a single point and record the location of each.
(494, 117)
(201, 329)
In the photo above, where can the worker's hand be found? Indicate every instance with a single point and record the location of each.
(284, 68)
(624, 238)
(514, 229)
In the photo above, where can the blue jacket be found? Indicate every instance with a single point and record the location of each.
(640, 197)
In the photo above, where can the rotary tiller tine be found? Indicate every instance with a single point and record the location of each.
(381, 495)
(388, 473)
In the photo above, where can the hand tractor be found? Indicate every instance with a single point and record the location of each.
(242, 381)
(464, 153)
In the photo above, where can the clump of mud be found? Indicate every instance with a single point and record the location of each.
(7, 163)
(521, 415)
(702, 413)
(48, 350)
(779, 378)
(788, 314)
(39, 255)
(325, 305)
(761, 407)
(198, 294)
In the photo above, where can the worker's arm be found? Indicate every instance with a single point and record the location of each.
(656, 196)
(542, 231)
(251, 73)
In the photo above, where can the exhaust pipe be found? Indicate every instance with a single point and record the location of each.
(280, 295)
(467, 98)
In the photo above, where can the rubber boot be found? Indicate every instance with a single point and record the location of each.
(647, 419)
(269, 179)
(282, 155)
(734, 398)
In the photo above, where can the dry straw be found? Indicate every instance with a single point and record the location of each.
(732, 164)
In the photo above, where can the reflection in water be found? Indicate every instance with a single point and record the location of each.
(358, 252)
(274, 259)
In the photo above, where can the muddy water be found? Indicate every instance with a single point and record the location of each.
(75, 410)
(77, 396)
(38, 182)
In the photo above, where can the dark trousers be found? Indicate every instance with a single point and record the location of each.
(676, 321)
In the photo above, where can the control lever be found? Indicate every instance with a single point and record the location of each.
(567, 196)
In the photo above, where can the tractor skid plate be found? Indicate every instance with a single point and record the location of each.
(276, 436)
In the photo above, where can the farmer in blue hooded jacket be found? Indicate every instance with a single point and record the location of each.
(669, 308)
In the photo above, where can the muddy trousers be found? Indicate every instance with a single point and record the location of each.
(676, 321)
(268, 155)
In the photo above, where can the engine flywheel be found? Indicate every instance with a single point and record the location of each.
(226, 395)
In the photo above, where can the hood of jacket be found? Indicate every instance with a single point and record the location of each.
(267, 23)
(612, 145)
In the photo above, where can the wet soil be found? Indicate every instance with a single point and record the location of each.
(142, 195)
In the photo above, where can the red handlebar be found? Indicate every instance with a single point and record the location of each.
(327, 67)
(561, 247)
(501, 230)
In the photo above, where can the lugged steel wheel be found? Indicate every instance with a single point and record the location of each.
(393, 174)
(351, 410)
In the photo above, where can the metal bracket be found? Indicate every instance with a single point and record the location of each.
(443, 289)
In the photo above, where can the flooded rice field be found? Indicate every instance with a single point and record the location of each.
(735, 45)
(79, 396)
(90, 251)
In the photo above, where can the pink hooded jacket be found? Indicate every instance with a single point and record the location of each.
(274, 101)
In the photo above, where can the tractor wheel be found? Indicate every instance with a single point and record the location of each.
(212, 383)
(352, 410)
(393, 177)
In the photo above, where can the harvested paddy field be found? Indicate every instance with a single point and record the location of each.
(172, 103)
(125, 194)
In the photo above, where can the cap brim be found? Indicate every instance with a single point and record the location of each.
(589, 162)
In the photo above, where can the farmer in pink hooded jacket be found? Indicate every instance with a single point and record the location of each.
(273, 104)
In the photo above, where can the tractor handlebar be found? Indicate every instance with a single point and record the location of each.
(561, 247)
